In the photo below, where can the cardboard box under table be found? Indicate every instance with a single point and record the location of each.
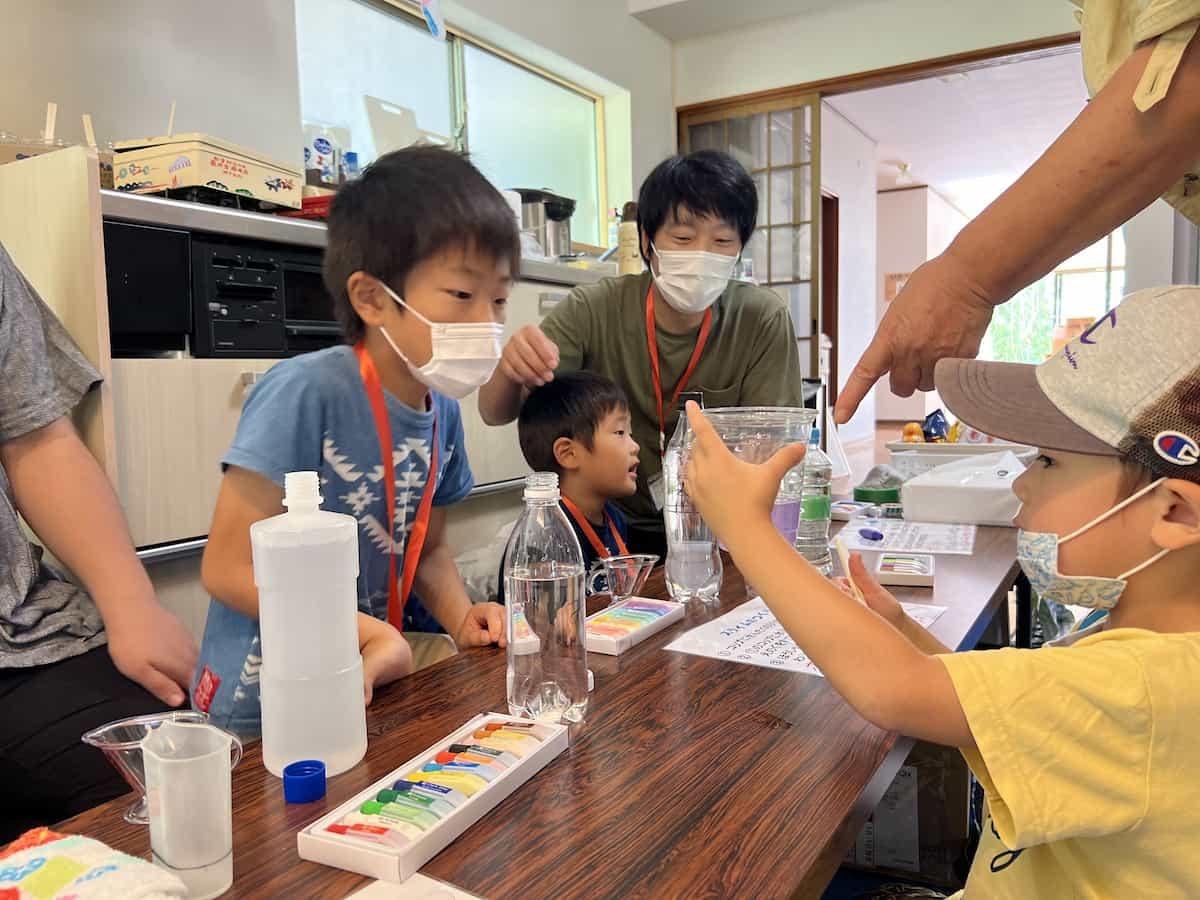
(920, 829)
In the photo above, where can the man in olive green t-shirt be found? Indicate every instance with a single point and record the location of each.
(732, 341)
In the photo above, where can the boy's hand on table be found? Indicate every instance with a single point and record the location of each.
(150, 646)
(731, 494)
(386, 656)
(877, 597)
(529, 358)
(483, 625)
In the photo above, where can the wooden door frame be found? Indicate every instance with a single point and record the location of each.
(828, 320)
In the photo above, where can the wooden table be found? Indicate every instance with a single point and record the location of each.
(691, 777)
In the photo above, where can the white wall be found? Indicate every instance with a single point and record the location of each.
(902, 245)
(1149, 247)
(229, 65)
(848, 171)
(842, 40)
(232, 69)
(943, 222)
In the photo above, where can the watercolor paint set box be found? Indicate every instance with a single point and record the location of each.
(409, 816)
(614, 630)
(905, 569)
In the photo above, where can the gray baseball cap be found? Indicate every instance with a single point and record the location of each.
(1128, 387)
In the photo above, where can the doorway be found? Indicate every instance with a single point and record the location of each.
(829, 288)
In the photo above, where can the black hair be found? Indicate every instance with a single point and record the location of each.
(407, 206)
(706, 182)
(570, 406)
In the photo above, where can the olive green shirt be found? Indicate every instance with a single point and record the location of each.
(750, 359)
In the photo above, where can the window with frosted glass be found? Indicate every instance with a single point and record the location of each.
(525, 131)
(775, 147)
(350, 51)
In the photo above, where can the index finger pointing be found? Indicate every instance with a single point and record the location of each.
(876, 361)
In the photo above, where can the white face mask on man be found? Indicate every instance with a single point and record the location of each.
(464, 354)
(692, 280)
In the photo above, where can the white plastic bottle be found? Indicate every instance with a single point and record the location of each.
(544, 585)
(306, 570)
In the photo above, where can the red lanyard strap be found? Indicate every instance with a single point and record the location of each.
(590, 533)
(655, 374)
(397, 593)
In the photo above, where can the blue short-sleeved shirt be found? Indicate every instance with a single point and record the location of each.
(310, 413)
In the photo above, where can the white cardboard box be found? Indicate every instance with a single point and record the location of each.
(343, 852)
(612, 644)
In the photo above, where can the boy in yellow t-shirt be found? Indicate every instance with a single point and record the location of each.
(1086, 751)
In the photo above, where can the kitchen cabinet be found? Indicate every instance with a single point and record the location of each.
(175, 418)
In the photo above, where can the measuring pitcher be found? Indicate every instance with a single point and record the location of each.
(190, 797)
(624, 575)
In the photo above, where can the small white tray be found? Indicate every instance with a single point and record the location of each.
(624, 616)
(317, 844)
(908, 569)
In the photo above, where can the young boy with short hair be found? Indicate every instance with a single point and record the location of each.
(578, 426)
(1086, 750)
(421, 254)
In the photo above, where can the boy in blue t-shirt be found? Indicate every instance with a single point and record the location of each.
(421, 254)
(578, 426)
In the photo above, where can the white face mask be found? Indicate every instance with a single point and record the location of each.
(1037, 552)
(692, 280)
(464, 354)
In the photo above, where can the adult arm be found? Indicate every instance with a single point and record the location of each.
(1110, 163)
(67, 500)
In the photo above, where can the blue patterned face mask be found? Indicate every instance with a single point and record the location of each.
(1037, 552)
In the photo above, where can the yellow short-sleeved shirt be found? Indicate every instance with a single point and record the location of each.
(1089, 757)
(1110, 30)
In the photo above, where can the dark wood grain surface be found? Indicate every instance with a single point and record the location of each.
(691, 777)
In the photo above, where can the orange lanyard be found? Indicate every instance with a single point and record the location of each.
(590, 533)
(397, 594)
(652, 345)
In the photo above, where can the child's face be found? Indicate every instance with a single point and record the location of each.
(610, 467)
(1061, 492)
(456, 285)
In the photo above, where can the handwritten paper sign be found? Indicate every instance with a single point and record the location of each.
(750, 634)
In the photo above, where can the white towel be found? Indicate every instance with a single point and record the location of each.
(80, 868)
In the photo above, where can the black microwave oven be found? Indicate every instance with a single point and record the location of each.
(171, 290)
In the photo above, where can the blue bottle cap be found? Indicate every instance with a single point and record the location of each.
(304, 781)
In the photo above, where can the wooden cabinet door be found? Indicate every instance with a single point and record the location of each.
(175, 418)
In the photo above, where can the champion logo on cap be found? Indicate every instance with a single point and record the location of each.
(1177, 448)
(1087, 339)
(1109, 317)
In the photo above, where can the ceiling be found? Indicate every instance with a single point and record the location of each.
(969, 136)
(678, 20)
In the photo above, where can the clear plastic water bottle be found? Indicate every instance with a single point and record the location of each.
(544, 590)
(812, 535)
(311, 681)
(694, 568)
